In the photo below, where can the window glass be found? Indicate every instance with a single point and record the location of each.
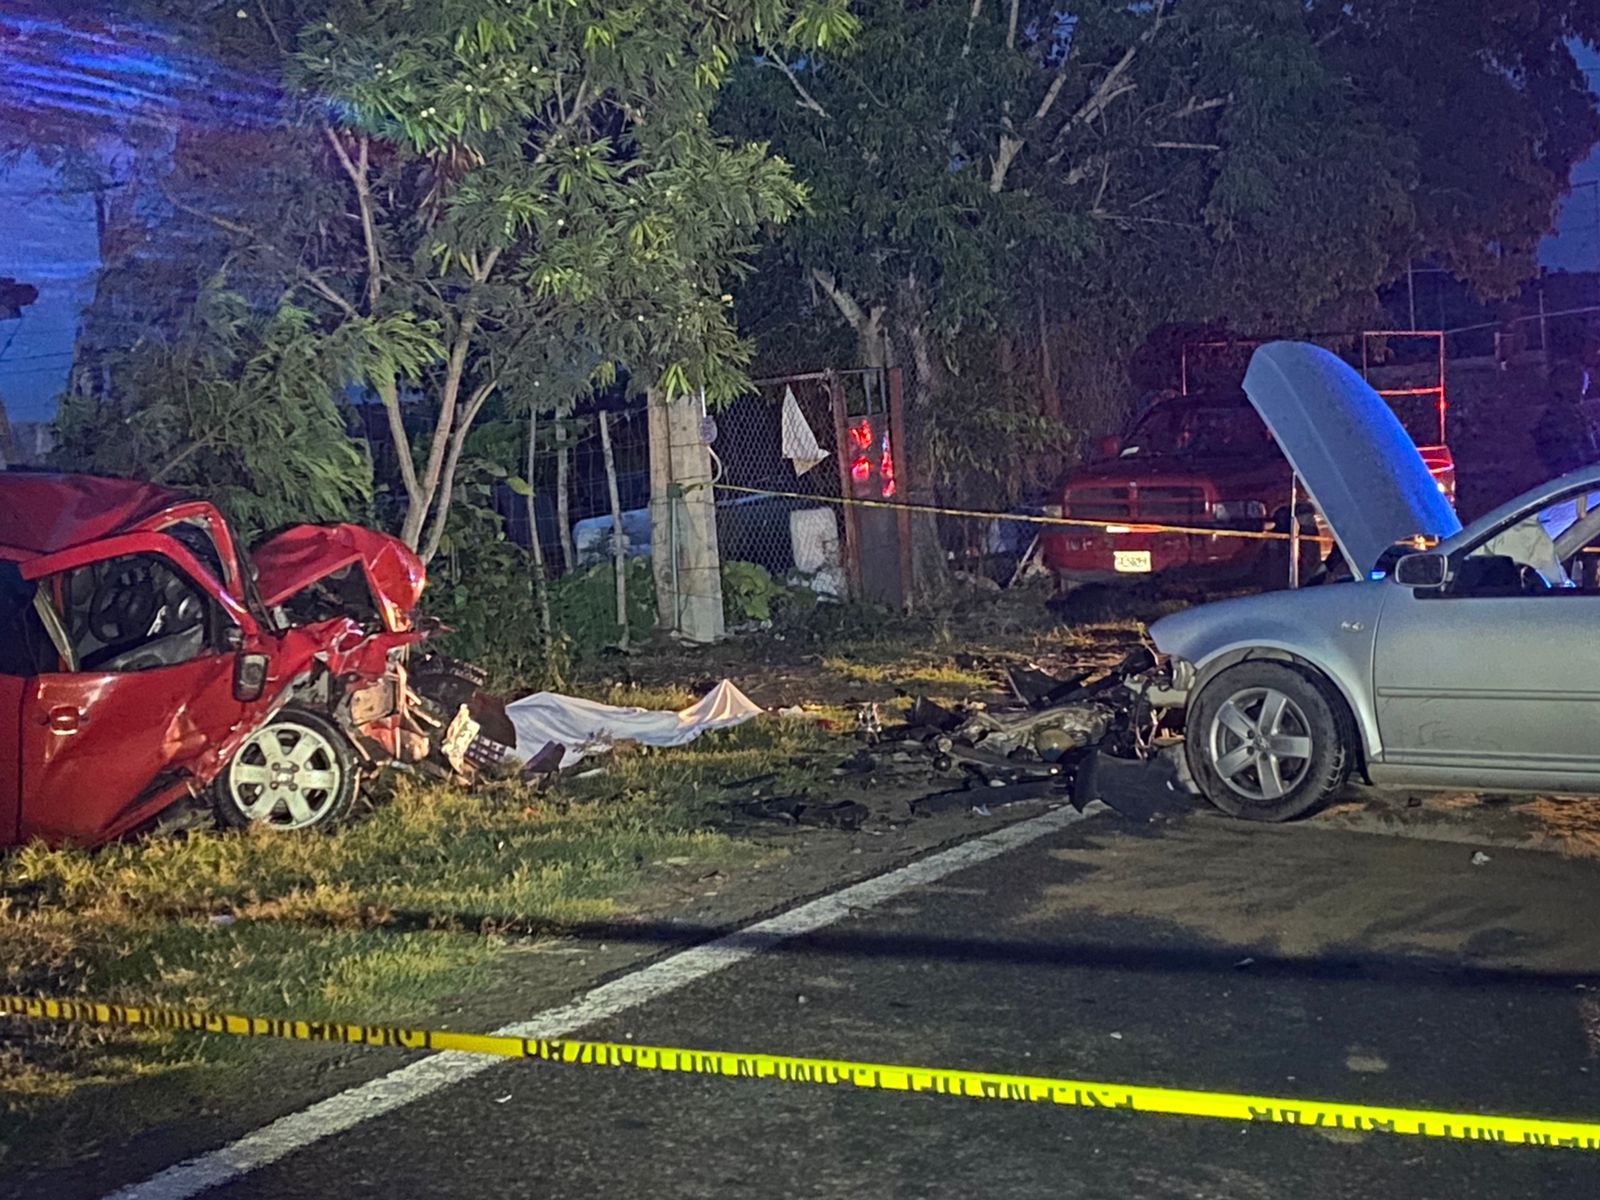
(25, 646)
(1203, 430)
(135, 613)
(197, 540)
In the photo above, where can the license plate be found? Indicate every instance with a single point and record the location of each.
(1131, 561)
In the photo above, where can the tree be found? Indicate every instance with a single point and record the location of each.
(530, 191)
(990, 166)
(236, 404)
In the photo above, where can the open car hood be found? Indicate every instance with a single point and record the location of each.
(292, 561)
(1355, 458)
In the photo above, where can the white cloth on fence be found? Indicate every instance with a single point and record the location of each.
(800, 445)
(586, 727)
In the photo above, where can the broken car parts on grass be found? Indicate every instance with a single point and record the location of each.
(1471, 664)
(149, 662)
(146, 661)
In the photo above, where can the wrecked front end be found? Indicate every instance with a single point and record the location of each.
(1058, 741)
(346, 598)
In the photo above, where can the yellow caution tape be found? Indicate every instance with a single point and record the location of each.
(826, 1072)
(1132, 525)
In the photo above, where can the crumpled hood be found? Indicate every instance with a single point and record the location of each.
(1355, 458)
(301, 555)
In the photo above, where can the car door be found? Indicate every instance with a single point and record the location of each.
(26, 649)
(143, 694)
(1496, 672)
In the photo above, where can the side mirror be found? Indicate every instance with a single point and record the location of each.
(1431, 571)
(1108, 447)
(249, 676)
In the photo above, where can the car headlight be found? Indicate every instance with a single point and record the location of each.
(1239, 510)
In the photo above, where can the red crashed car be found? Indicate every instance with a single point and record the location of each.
(145, 661)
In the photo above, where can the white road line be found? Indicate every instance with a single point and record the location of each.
(400, 1087)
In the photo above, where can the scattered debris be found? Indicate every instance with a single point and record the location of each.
(869, 724)
(997, 795)
(1138, 790)
(799, 810)
(1479, 858)
(1040, 689)
(798, 712)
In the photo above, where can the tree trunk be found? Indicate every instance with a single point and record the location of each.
(563, 496)
(1050, 394)
(930, 576)
(449, 432)
(619, 539)
(541, 582)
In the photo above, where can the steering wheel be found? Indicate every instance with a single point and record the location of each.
(124, 604)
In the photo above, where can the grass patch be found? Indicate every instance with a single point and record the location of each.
(940, 677)
(376, 921)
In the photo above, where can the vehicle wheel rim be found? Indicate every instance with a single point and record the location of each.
(1260, 743)
(286, 776)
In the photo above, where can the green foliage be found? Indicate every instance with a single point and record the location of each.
(473, 198)
(1121, 165)
(749, 592)
(481, 586)
(582, 232)
(241, 407)
(583, 604)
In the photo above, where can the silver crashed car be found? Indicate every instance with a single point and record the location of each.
(1473, 663)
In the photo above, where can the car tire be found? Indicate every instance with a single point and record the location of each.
(298, 771)
(1268, 742)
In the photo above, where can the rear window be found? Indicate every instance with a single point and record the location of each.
(25, 647)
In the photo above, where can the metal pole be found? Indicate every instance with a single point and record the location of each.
(852, 530)
(1411, 289)
(1544, 329)
(1294, 532)
(902, 475)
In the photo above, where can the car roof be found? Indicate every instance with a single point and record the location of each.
(43, 512)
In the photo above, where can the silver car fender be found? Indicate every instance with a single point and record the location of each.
(1330, 630)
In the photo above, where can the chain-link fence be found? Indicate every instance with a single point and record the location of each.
(800, 463)
(571, 494)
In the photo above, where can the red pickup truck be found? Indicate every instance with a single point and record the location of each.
(1204, 460)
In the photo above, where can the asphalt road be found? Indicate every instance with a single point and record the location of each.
(1295, 961)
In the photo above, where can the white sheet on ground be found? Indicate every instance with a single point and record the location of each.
(587, 727)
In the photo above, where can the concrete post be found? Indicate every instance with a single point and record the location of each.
(685, 558)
